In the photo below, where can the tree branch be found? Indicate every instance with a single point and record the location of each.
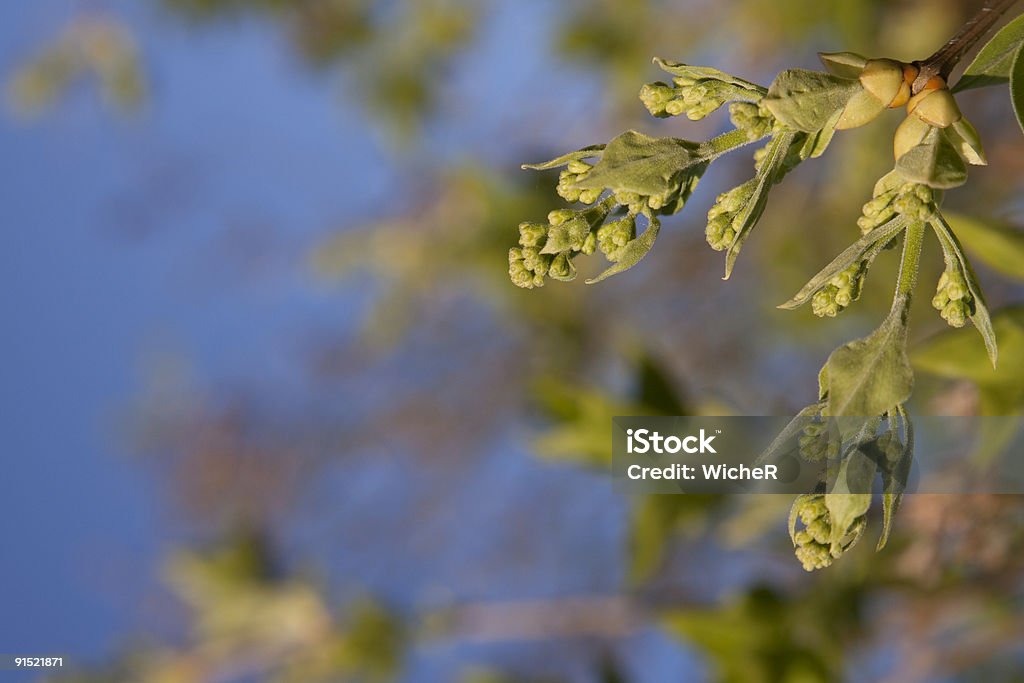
(942, 62)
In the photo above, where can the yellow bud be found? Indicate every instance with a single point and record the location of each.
(860, 109)
(909, 135)
(935, 107)
(883, 78)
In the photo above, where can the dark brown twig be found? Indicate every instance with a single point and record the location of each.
(942, 62)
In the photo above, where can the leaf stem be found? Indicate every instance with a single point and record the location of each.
(725, 143)
(941, 63)
(910, 263)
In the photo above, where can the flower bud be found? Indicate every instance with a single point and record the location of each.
(840, 292)
(532, 234)
(655, 97)
(953, 299)
(909, 135)
(937, 108)
(862, 108)
(562, 268)
(613, 237)
(883, 78)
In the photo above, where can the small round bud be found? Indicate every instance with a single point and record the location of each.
(883, 78)
(578, 167)
(935, 107)
(532, 234)
(909, 135)
(559, 216)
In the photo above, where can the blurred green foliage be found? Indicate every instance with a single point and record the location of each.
(944, 598)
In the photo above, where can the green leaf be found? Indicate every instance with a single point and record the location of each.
(818, 142)
(843, 64)
(956, 354)
(700, 73)
(634, 162)
(935, 162)
(866, 248)
(633, 252)
(806, 100)
(993, 64)
(957, 260)
(750, 214)
(1017, 85)
(898, 456)
(850, 498)
(871, 376)
(997, 244)
(578, 155)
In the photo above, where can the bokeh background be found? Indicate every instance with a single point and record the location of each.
(272, 411)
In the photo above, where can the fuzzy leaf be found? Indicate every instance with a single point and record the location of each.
(997, 244)
(806, 100)
(993, 64)
(934, 162)
(957, 259)
(867, 247)
(578, 155)
(633, 252)
(843, 64)
(898, 455)
(1017, 85)
(850, 497)
(634, 162)
(700, 73)
(771, 167)
(871, 376)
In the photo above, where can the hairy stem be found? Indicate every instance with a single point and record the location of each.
(911, 261)
(942, 62)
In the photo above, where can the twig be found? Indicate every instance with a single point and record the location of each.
(942, 62)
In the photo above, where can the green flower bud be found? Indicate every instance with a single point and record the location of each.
(953, 299)
(860, 109)
(752, 118)
(532, 234)
(520, 272)
(589, 244)
(578, 167)
(559, 216)
(562, 268)
(590, 196)
(675, 108)
(656, 96)
(721, 231)
(613, 237)
(840, 292)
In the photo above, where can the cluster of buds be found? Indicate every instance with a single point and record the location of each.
(721, 230)
(934, 107)
(813, 543)
(815, 442)
(840, 292)
(953, 299)
(696, 98)
(885, 84)
(613, 237)
(912, 200)
(754, 119)
(574, 172)
(547, 250)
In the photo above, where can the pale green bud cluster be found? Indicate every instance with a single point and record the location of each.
(953, 299)
(813, 547)
(696, 98)
(548, 250)
(815, 443)
(754, 119)
(723, 216)
(912, 200)
(613, 237)
(840, 292)
(574, 172)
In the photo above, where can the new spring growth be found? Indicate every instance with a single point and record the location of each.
(753, 119)
(547, 250)
(840, 292)
(815, 442)
(894, 196)
(814, 544)
(696, 98)
(723, 216)
(953, 299)
(574, 172)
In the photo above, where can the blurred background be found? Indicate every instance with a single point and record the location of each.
(272, 410)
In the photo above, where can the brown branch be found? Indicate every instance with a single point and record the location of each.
(942, 62)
